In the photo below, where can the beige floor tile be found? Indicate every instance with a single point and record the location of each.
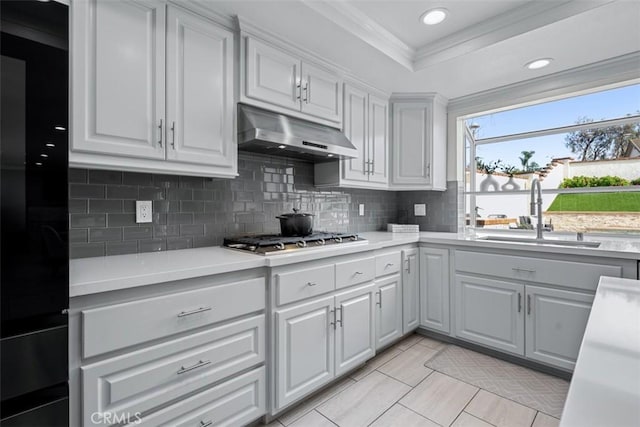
(439, 398)
(313, 419)
(399, 416)
(363, 402)
(311, 402)
(544, 420)
(466, 420)
(408, 367)
(408, 342)
(431, 343)
(374, 363)
(499, 411)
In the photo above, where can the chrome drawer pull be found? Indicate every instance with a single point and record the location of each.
(390, 264)
(205, 423)
(519, 302)
(196, 311)
(523, 269)
(200, 364)
(311, 283)
(358, 273)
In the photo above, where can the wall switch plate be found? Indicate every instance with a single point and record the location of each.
(361, 209)
(144, 210)
(420, 209)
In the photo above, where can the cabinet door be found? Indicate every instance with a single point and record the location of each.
(272, 75)
(490, 312)
(304, 349)
(410, 290)
(355, 327)
(434, 289)
(556, 321)
(200, 102)
(321, 93)
(389, 317)
(118, 67)
(411, 144)
(378, 139)
(355, 128)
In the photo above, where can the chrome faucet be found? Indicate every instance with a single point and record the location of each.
(536, 183)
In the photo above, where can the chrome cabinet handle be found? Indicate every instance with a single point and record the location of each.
(298, 91)
(408, 268)
(389, 264)
(519, 302)
(528, 304)
(161, 132)
(334, 319)
(196, 311)
(341, 316)
(523, 269)
(200, 364)
(205, 423)
(379, 302)
(306, 93)
(311, 283)
(173, 135)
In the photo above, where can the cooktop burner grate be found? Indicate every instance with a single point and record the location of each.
(275, 243)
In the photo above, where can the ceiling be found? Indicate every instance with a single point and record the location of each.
(482, 45)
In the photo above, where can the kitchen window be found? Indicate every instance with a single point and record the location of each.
(585, 150)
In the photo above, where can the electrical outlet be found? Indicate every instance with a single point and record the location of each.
(144, 210)
(361, 209)
(420, 209)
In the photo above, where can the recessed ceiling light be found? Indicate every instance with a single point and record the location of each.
(330, 155)
(50, 145)
(538, 63)
(434, 16)
(60, 128)
(281, 147)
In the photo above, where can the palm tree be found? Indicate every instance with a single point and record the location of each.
(524, 160)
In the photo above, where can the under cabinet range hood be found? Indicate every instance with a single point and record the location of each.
(267, 132)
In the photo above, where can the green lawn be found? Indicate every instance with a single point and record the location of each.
(597, 202)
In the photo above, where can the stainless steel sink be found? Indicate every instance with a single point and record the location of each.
(533, 240)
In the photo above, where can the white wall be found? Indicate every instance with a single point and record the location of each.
(628, 169)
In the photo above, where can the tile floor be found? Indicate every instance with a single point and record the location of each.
(396, 389)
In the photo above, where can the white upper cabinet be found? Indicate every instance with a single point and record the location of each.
(321, 93)
(272, 75)
(118, 78)
(366, 125)
(199, 91)
(418, 157)
(152, 90)
(278, 80)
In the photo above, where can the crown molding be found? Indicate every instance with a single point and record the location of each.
(362, 26)
(611, 72)
(499, 28)
(510, 24)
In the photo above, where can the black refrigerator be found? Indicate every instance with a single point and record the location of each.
(34, 217)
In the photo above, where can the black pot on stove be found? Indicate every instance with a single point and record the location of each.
(296, 223)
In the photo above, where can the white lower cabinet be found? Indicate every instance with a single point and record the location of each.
(355, 327)
(555, 323)
(322, 339)
(434, 289)
(490, 312)
(410, 290)
(389, 313)
(305, 348)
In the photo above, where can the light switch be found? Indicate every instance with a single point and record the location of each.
(361, 209)
(420, 209)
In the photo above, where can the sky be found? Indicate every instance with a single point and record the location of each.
(608, 104)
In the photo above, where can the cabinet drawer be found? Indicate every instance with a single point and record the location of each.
(235, 402)
(563, 273)
(354, 272)
(301, 284)
(121, 325)
(387, 264)
(148, 378)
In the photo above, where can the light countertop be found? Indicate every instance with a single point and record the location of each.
(102, 274)
(605, 389)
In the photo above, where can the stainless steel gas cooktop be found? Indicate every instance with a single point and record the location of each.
(274, 244)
